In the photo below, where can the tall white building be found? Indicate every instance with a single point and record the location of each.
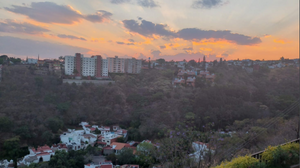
(95, 66)
(116, 64)
(124, 65)
(79, 65)
(133, 65)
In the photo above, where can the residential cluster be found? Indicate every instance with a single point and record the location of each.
(98, 67)
(103, 137)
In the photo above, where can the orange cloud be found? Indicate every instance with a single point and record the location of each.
(279, 41)
(213, 42)
(205, 49)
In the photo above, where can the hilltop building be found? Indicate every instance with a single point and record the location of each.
(98, 67)
(124, 65)
(79, 65)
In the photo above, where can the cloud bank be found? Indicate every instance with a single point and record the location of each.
(148, 29)
(49, 12)
(207, 4)
(71, 37)
(10, 26)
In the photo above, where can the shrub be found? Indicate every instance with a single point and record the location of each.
(240, 162)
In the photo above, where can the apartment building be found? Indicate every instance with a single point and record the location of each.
(98, 67)
(79, 65)
(133, 65)
(124, 65)
(116, 64)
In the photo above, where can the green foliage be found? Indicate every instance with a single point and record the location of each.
(120, 139)
(112, 157)
(126, 156)
(24, 132)
(193, 63)
(63, 159)
(47, 136)
(15, 60)
(240, 162)
(97, 131)
(157, 96)
(145, 160)
(190, 116)
(161, 61)
(39, 81)
(264, 69)
(63, 107)
(12, 149)
(168, 74)
(273, 157)
(134, 134)
(50, 98)
(145, 147)
(200, 82)
(282, 156)
(54, 124)
(5, 124)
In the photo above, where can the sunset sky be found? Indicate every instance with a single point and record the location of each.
(169, 29)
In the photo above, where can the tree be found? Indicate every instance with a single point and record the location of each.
(126, 156)
(11, 149)
(23, 131)
(215, 62)
(161, 61)
(192, 63)
(145, 147)
(54, 124)
(39, 81)
(200, 82)
(120, 139)
(112, 157)
(5, 124)
(63, 159)
(185, 76)
(221, 61)
(75, 72)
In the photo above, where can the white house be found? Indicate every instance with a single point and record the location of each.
(201, 149)
(32, 61)
(108, 138)
(72, 139)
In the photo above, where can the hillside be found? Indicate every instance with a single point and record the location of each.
(38, 108)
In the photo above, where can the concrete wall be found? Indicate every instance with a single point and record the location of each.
(96, 82)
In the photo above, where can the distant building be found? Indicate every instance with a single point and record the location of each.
(79, 65)
(32, 61)
(133, 66)
(124, 65)
(116, 64)
(98, 67)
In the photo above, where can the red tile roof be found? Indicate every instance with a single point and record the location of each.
(106, 166)
(43, 154)
(41, 149)
(118, 146)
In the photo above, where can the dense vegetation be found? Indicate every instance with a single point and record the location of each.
(38, 108)
(274, 157)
